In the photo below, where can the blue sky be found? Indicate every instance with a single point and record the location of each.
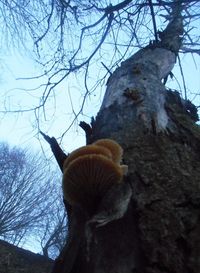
(19, 128)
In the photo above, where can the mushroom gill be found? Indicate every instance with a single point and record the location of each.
(87, 178)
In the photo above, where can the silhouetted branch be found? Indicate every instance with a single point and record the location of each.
(57, 151)
(88, 131)
(154, 20)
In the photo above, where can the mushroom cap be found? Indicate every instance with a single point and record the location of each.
(87, 178)
(115, 149)
(86, 150)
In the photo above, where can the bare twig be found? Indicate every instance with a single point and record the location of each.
(183, 78)
(154, 20)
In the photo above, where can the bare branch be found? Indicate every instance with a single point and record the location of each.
(57, 151)
(154, 20)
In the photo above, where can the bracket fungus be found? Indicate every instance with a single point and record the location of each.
(86, 150)
(115, 149)
(90, 171)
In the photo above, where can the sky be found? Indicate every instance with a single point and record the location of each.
(19, 128)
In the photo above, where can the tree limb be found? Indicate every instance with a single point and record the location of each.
(57, 151)
(88, 131)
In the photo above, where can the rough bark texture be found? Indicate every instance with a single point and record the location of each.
(17, 260)
(150, 223)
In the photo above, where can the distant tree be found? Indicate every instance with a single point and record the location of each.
(53, 232)
(24, 193)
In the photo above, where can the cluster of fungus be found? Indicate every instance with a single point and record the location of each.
(90, 171)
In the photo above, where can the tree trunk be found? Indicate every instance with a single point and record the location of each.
(150, 223)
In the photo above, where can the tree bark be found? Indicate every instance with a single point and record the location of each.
(150, 223)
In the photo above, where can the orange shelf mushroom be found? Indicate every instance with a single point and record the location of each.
(90, 171)
(115, 149)
(86, 150)
(88, 178)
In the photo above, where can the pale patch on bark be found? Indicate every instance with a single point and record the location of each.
(142, 74)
